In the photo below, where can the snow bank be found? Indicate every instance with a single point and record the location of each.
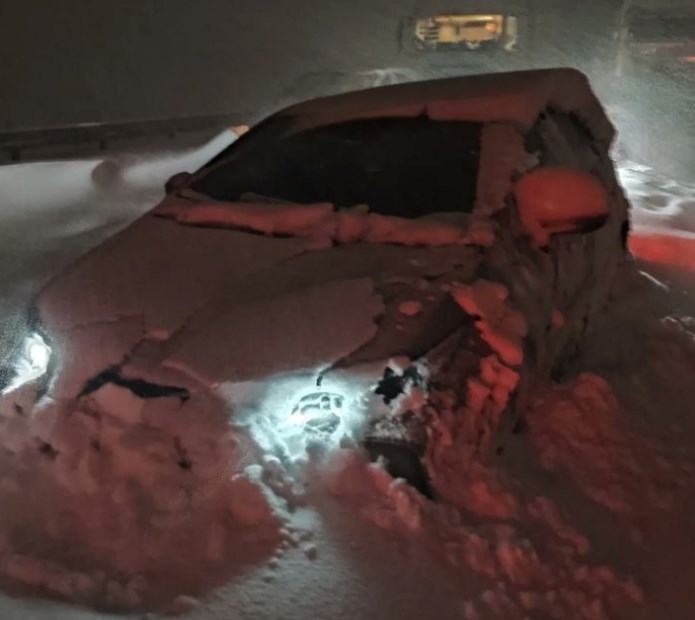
(581, 429)
(499, 571)
(134, 500)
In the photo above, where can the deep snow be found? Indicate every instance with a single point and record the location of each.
(586, 513)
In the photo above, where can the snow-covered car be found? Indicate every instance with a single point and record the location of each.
(392, 267)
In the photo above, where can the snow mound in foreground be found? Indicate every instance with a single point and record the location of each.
(173, 502)
(136, 503)
(124, 502)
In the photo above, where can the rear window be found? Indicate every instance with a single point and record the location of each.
(405, 167)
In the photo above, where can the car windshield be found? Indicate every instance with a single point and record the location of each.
(397, 166)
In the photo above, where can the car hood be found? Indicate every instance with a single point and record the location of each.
(164, 299)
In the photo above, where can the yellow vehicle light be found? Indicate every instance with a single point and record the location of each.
(461, 18)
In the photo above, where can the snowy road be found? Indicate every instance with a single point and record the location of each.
(53, 212)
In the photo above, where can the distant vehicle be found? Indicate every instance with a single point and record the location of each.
(394, 267)
(474, 29)
(457, 31)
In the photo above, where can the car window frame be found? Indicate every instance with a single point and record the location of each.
(282, 126)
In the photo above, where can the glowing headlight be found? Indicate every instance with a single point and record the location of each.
(32, 362)
(37, 353)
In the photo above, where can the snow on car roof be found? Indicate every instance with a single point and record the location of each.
(518, 96)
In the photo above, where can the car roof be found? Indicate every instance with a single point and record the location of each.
(518, 97)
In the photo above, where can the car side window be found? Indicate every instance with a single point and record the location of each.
(408, 167)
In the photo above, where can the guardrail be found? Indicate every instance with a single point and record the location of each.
(93, 139)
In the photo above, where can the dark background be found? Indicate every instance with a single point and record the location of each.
(70, 61)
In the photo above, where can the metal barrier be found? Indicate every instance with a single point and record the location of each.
(94, 139)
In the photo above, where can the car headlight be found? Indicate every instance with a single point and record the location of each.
(37, 353)
(31, 363)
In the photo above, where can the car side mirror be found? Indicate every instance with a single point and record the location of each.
(554, 200)
(176, 182)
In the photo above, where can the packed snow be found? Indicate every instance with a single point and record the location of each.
(321, 223)
(583, 513)
(502, 327)
(514, 97)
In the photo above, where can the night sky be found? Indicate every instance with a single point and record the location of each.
(68, 61)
